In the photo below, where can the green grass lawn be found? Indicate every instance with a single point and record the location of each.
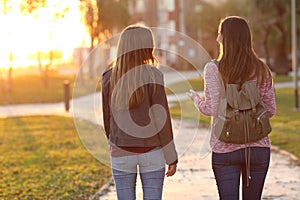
(285, 124)
(181, 87)
(42, 157)
(282, 78)
(30, 89)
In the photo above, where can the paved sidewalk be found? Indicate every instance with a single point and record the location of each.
(194, 179)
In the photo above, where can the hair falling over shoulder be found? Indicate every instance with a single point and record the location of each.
(135, 49)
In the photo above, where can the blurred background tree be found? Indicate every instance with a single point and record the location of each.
(103, 19)
(204, 16)
(55, 13)
(112, 18)
(7, 81)
(270, 22)
(274, 21)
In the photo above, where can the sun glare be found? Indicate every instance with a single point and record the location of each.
(22, 36)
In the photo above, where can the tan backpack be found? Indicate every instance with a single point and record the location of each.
(242, 116)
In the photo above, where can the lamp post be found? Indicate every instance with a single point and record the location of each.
(294, 54)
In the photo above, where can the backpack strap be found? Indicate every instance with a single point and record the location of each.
(232, 95)
(252, 92)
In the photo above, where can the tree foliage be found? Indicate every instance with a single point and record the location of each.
(206, 15)
(112, 15)
(56, 12)
(274, 21)
(102, 18)
(270, 23)
(30, 6)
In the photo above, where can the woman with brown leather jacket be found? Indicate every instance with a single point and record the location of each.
(136, 117)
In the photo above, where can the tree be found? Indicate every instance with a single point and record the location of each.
(113, 16)
(90, 14)
(275, 22)
(31, 6)
(204, 16)
(269, 21)
(102, 19)
(7, 8)
(55, 13)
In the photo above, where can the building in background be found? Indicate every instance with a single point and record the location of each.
(174, 47)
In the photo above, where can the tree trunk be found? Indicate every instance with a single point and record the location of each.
(9, 75)
(281, 61)
(90, 59)
(45, 77)
(266, 47)
(9, 80)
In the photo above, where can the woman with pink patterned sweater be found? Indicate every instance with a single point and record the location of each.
(237, 63)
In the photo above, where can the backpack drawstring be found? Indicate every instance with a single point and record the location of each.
(247, 150)
(247, 157)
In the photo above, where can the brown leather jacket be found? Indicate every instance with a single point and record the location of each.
(116, 132)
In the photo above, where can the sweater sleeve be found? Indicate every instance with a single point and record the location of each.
(212, 91)
(268, 96)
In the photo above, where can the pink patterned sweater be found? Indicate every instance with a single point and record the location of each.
(209, 107)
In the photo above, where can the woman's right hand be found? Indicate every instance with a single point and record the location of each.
(193, 95)
(171, 170)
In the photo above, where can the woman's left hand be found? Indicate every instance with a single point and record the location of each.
(171, 170)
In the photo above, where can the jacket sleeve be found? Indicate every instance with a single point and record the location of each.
(166, 133)
(106, 104)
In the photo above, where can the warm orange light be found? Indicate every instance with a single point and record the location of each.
(25, 35)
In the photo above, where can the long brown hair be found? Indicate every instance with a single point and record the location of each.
(135, 48)
(238, 61)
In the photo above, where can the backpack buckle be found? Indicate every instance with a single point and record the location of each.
(253, 113)
(236, 115)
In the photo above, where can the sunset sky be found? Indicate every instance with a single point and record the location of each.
(24, 35)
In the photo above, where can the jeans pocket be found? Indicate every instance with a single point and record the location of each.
(221, 159)
(119, 162)
(152, 161)
(260, 155)
(156, 157)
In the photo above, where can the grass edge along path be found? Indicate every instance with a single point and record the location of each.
(42, 157)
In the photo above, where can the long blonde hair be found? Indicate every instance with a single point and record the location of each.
(135, 48)
(238, 60)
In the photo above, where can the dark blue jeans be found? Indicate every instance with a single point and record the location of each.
(228, 168)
